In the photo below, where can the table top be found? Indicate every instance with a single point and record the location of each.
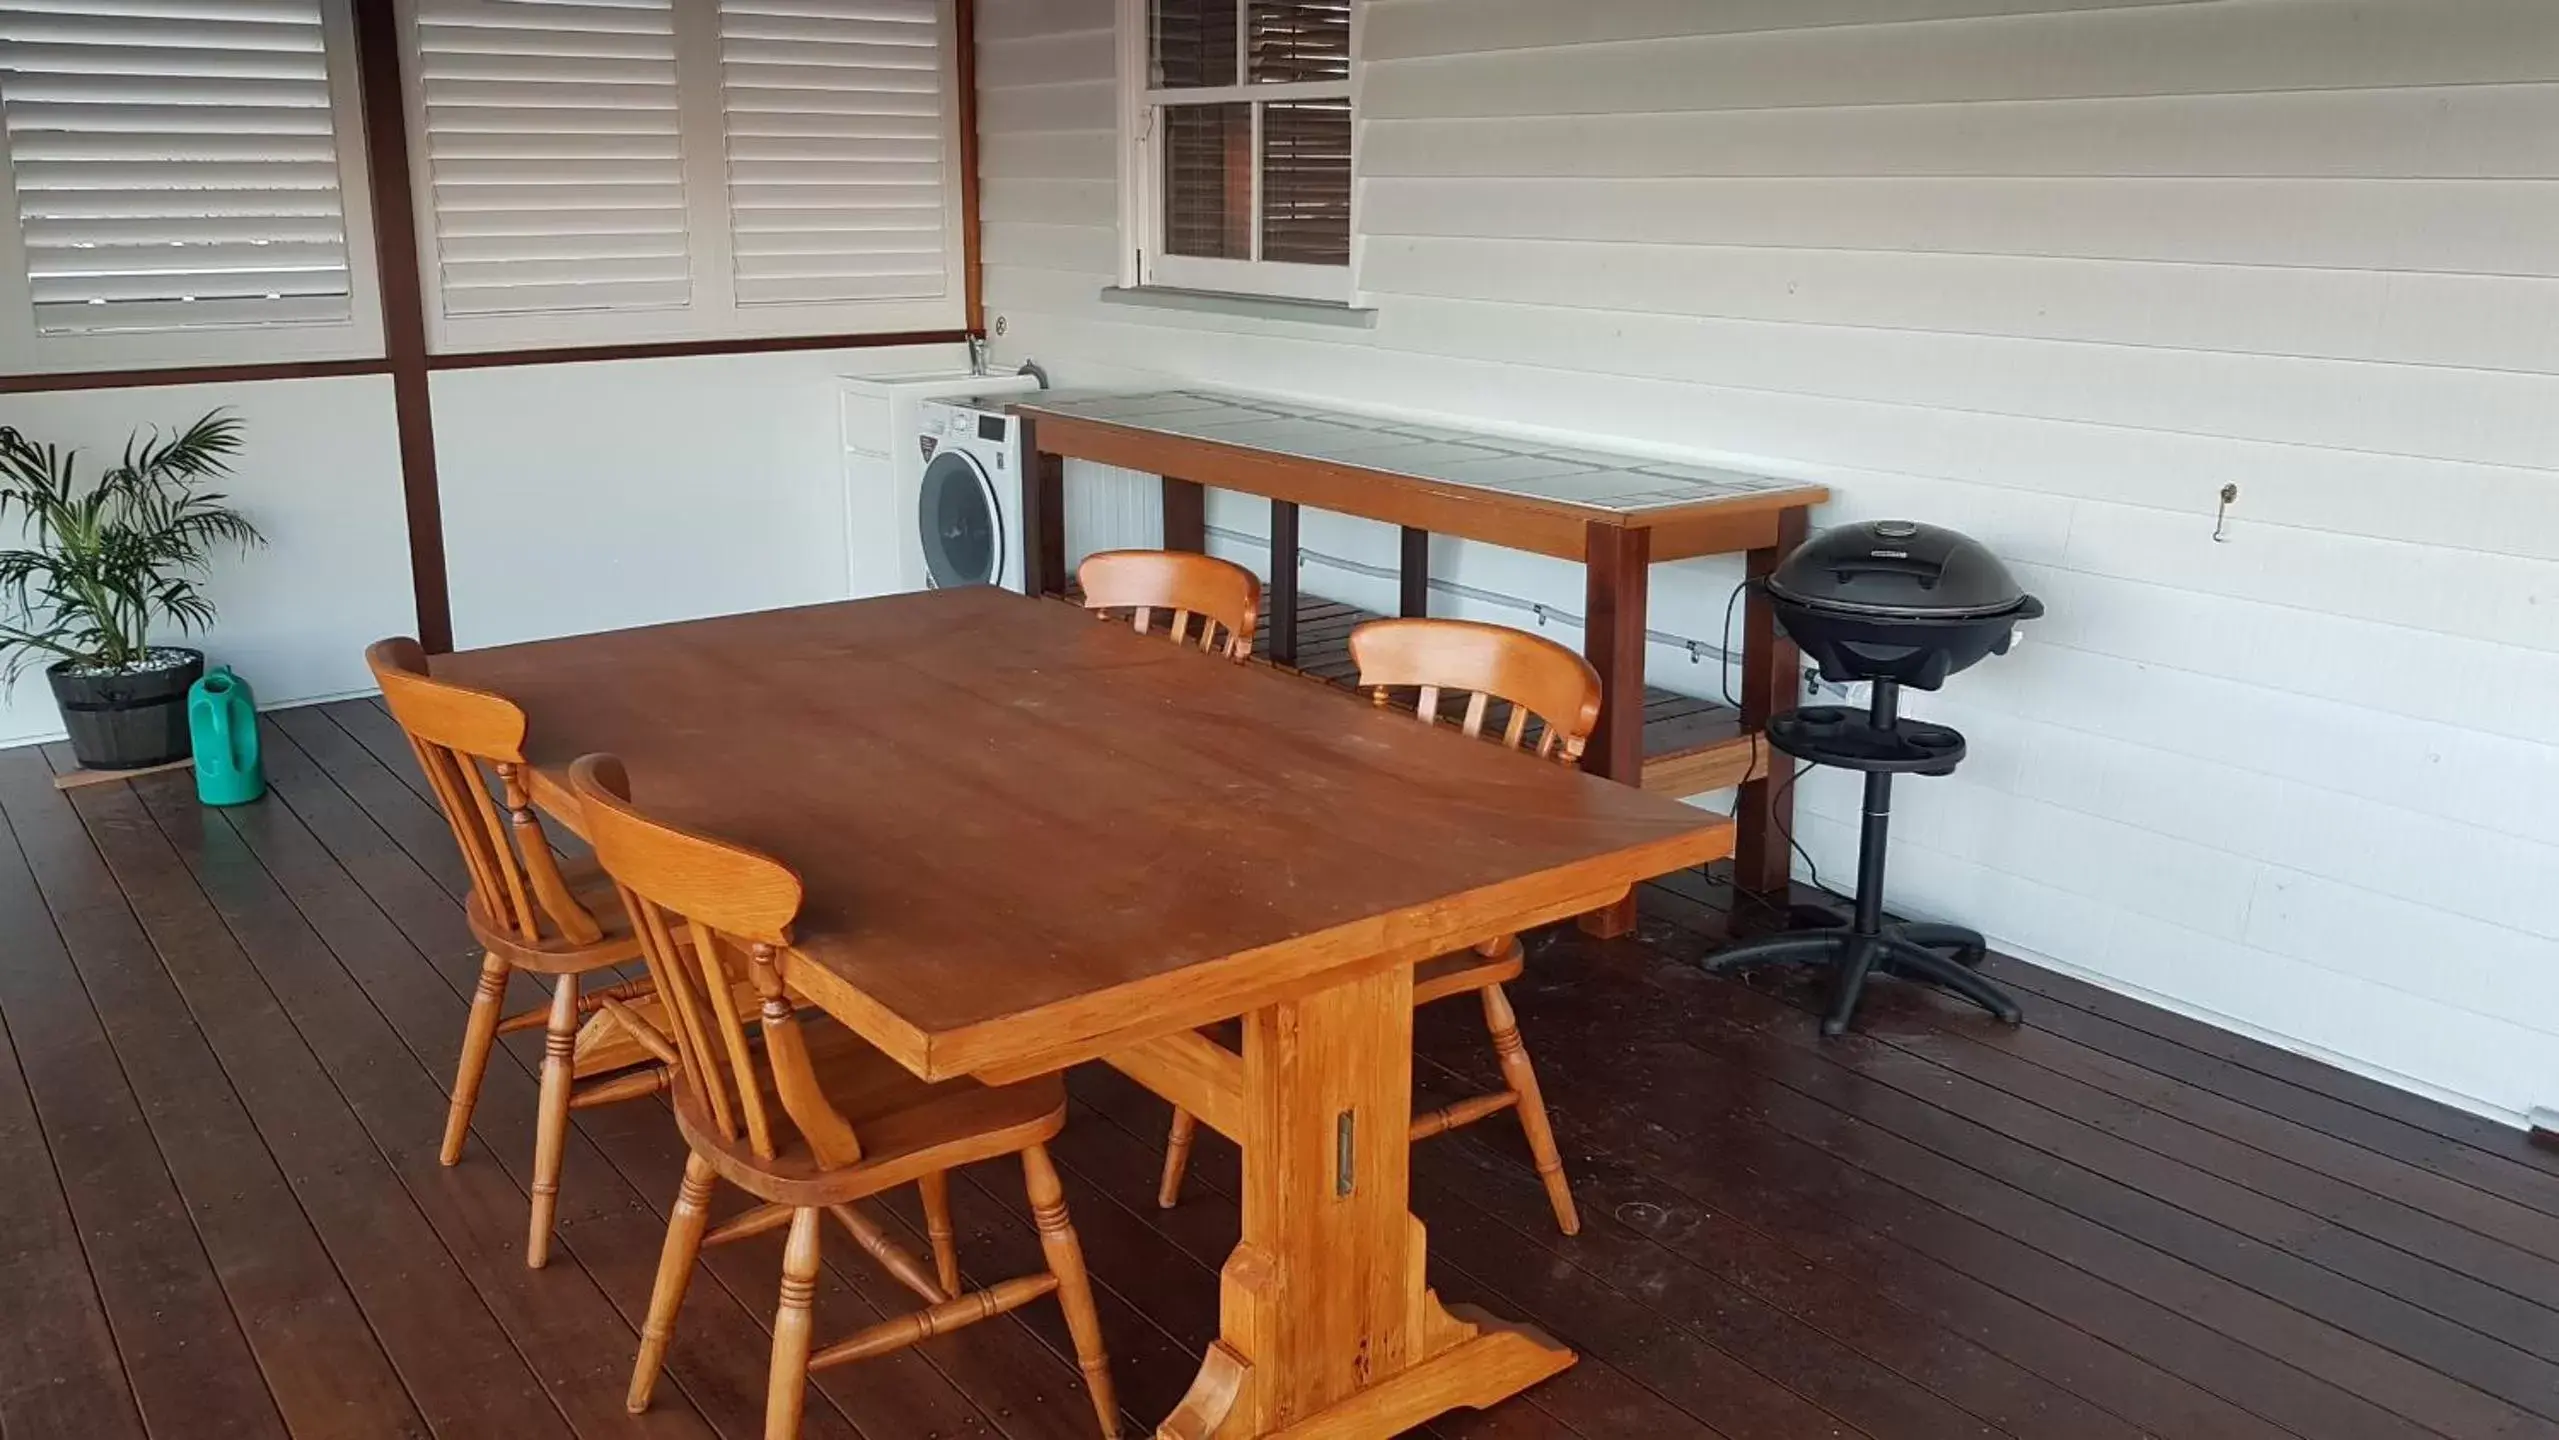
(1620, 484)
(1028, 836)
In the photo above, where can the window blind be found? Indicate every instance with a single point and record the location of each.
(174, 162)
(1301, 40)
(834, 125)
(554, 152)
(1208, 180)
(1306, 182)
(1194, 43)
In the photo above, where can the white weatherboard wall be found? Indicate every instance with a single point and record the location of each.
(2051, 272)
(319, 474)
(613, 493)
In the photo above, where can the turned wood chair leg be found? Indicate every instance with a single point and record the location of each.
(1522, 1079)
(551, 1121)
(675, 1271)
(788, 1388)
(488, 1003)
(1074, 1285)
(1177, 1158)
(938, 1229)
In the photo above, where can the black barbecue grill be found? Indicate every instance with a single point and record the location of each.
(1889, 603)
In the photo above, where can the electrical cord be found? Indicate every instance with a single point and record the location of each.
(1724, 672)
(1760, 750)
(1793, 774)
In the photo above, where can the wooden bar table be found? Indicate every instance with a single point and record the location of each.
(1031, 840)
(1617, 515)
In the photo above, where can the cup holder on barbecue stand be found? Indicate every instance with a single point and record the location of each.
(1881, 744)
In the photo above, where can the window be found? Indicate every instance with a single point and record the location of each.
(177, 178)
(1240, 139)
(645, 170)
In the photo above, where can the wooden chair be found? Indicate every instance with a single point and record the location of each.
(813, 1118)
(528, 912)
(1222, 596)
(1542, 682)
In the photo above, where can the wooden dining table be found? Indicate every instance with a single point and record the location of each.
(1030, 840)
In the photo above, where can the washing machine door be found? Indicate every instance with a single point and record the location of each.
(959, 523)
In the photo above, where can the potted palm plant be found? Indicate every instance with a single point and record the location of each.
(105, 565)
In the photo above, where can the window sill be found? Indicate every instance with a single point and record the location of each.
(1254, 307)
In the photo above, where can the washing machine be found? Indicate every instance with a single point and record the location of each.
(884, 467)
(964, 503)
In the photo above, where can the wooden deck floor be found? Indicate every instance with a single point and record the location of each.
(221, 1084)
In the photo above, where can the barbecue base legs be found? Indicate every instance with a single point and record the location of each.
(1939, 955)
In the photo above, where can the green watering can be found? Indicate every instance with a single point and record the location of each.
(222, 718)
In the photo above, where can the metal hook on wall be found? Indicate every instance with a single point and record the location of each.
(2221, 517)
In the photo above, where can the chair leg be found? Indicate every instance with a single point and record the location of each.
(1074, 1285)
(937, 1228)
(487, 1004)
(788, 1388)
(1521, 1076)
(551, 1121)
(675, 1271)
(1177, 1158)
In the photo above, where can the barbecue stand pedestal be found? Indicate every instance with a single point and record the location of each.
(1881, 744)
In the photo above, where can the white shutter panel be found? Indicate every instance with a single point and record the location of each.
(174, 162)
(554, 155)
(835, 126)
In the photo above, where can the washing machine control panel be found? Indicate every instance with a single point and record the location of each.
(989, 434)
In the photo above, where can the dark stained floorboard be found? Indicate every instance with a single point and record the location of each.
(64, 1375)
(2316, 1098)
(2389, 1200)
(450, 1355)
(224, 1039)
(317, 1365)
(1818, 1092)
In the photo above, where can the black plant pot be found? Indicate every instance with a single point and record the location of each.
(128, 720)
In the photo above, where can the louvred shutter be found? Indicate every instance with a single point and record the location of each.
(174, 163)
(834, 119)
(554, 153)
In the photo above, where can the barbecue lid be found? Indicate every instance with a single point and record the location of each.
(1897, 568)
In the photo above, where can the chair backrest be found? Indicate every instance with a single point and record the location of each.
(706, 910)
(1221, 596)
(1532, 674)
(455, 731)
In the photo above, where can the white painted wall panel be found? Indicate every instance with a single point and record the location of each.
(1675, 60)
(320, 475)
(2052, 272)
(614, 493)
(2487, 322)
(1409, 29)
(2420, 132)
(2484, 227)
